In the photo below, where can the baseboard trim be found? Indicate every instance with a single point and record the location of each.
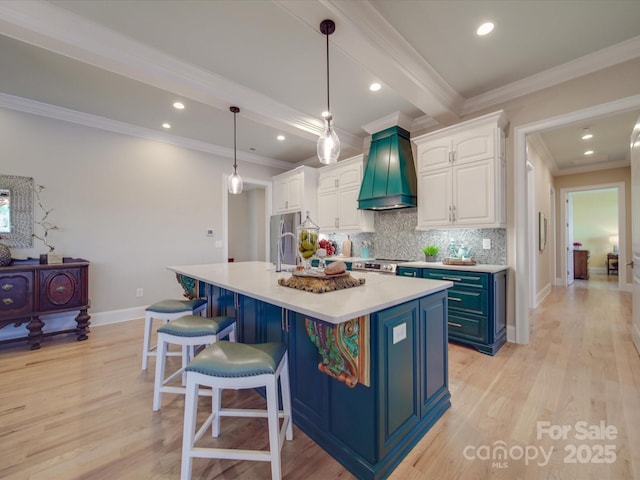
(116, 316)
(511, 333)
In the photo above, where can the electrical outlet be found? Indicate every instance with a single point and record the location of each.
(209, 232)
(218, 243)
(139, 292)
(486, 243)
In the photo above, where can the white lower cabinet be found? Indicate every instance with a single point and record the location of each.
(338, 190)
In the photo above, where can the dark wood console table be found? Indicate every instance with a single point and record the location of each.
(29, 290)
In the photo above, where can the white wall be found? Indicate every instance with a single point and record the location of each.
(130, 206)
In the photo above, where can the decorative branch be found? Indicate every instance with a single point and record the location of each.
(44, 223)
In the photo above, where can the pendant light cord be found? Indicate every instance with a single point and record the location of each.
(235, 110)
(328, 106)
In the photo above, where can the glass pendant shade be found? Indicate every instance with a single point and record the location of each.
(235, 183)
(328, 146)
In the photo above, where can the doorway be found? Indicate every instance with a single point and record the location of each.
(594, 216)
(521, 217)
(246, 221)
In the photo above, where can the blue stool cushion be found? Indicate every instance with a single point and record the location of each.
(230, 359)
(196, 326)
(175, 306)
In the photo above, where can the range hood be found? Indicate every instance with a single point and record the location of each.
(389, 180)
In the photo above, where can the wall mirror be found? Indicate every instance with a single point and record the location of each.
(16, 211)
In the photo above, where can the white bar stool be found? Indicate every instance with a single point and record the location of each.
(188, 331)
(167, 310)
(238, 366)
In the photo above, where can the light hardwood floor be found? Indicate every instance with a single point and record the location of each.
(82, 410)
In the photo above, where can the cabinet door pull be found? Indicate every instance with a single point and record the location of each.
(453, 213)
(7, 301)
(449, 213)
(60, 289)
(452, 279)
(455, 324)
(7, 286)
(455, 299)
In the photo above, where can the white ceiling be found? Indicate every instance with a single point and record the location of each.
(125, 62)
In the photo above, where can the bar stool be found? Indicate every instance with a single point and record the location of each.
(237, 366)
(188, 331)
(167, 310)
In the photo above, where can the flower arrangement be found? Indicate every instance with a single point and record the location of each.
(44, 222)
(577, 244)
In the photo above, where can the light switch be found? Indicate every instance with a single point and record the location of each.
(486, 243)
(399, 333)
(218, 243)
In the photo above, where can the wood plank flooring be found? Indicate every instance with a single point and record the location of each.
(82, 410)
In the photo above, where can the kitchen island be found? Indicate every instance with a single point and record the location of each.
(368, 364)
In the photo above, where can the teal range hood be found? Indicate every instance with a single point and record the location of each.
(389, 180)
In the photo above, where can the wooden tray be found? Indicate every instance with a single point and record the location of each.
(458, 261)
(316, 274)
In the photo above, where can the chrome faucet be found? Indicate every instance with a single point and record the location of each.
(279, 248)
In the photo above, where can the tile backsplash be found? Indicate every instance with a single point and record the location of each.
(396, 238)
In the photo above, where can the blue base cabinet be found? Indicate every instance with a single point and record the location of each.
(477, 305)
(368, 429)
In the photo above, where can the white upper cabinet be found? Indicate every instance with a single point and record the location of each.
(338, 190)
(461, 175)
(295, 191)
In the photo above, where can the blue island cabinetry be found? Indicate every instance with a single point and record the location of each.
(368, 428)
(477, 305)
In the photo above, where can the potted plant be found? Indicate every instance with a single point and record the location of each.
(430, 252)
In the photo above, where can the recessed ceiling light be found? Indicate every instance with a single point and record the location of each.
(586, 134)
(374, 87)
(178, 106)
(166, 125)
(485, 28)
(589, 152)
(280, 138)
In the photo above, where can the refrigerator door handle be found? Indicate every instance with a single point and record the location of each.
(281, 243)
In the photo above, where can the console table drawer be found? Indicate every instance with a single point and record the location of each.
(16, 294)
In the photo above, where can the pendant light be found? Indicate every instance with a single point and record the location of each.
(328, 146)
(235, 180)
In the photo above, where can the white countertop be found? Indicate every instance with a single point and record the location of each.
(260, 280)
(480, 267)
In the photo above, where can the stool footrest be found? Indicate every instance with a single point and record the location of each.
(246, 412)
(203, 392)
(231, 454)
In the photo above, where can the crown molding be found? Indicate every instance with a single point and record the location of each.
(607, 57)
(591, 168)
(47, 26)
(393, 119)
(538, 144)
(94, 121)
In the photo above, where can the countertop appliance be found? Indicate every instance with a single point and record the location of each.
(379, 265)
(287, 222)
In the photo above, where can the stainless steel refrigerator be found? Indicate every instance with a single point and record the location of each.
(287, 222)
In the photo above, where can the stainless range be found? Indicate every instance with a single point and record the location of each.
(379, 265)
